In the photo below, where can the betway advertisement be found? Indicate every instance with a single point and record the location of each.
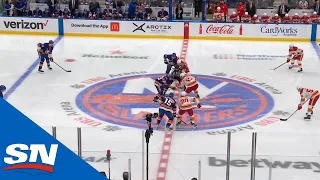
(250, 30)
(28, 24)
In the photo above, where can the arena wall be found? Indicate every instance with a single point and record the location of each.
(159, 29)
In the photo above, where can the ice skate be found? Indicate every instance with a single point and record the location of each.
(308, 117)
(50, 68)
(290, 67)
(178, 124)
(40, 71)
(300, 70)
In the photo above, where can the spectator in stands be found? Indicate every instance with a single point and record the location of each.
(93, 6)
(132, 9)
(19, 6)
(117, 4)
(316, 7)
(303, 4)
(197, 7)
(163, 15)
(224, 9)
(179, 12)
(283, 9)
(73, 5)
(241, 9)
(251, 8)
(7, 7)
(50, 6)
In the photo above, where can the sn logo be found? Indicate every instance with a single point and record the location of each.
(19, 159)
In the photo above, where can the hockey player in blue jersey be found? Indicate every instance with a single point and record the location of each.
(2, 90)
(171, 60)
(45, 54)
(168, 108)
(162, 84)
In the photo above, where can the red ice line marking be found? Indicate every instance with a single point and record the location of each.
(165, 152)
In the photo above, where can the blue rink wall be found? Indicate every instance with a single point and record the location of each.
(159, 29)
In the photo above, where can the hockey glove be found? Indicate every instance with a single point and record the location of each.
(199, 105)
(299, 107)
(51, 59)
(288, 60)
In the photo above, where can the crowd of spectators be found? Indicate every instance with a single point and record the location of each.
(245, 11)
(114, 10)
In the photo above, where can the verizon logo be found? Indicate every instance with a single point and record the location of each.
(25, 24)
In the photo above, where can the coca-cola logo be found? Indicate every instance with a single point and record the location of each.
(218, 29)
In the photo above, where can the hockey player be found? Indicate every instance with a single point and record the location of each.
(286, 18)
(183, 66)
(305, 19)
(37, 12)
(162, 84)
(265, 18)
(312, 96)
(276, 19)
(189, 84)
(185, 106)
(218, 15)
(255, 19)
(168, 108)
(171, 61)
(2, 90)
(295, 18)
(295, 53)
(234, 17)
(45, 54)
(246, 17)
(314, 18)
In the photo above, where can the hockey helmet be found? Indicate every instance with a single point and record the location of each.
(291, 46)
(183, 93)
(2, 88)
(171, 95)
(233, 12)
(299, 88)
(50, 42)
(182, 75)
(174, 54)
(314, 13)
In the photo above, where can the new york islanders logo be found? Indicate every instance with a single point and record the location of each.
(125, 101)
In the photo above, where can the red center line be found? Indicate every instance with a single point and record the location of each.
(165, 152)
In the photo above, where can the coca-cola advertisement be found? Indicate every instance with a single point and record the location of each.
(221, 29)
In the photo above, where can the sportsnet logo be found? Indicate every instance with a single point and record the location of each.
(18, 158)
(25, 25)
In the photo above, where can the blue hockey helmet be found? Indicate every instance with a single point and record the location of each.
(174, 55)
(171, 95)
(2, 88)
(50, 42)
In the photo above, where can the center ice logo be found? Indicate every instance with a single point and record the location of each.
(124, 101)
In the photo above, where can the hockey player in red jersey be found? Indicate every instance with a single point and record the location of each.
(265, 18)
(183, 66)
(286, 19)
(276, 19)
(295, 54)
(312, 96)
(185, 106)
(246, 17)
(189, 84)
(218, 15)
(255, 19)
(314, 18)
(234, 17)
(305, 19)
(295, 18)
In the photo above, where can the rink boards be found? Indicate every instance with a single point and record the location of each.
(159, 29)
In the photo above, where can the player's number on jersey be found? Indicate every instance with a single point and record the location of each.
(309, 90)
(169, 102)
(184, 100)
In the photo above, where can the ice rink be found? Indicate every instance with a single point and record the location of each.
(111, 87)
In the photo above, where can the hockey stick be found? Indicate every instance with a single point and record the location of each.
(279, 66)
(61, 67)
(293, 112)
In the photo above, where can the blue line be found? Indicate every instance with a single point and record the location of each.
(27, 73)
(316, 48)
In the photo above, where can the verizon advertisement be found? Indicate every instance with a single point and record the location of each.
(28, 24)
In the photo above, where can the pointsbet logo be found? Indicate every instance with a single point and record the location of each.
(35, 156)
(25, 24)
